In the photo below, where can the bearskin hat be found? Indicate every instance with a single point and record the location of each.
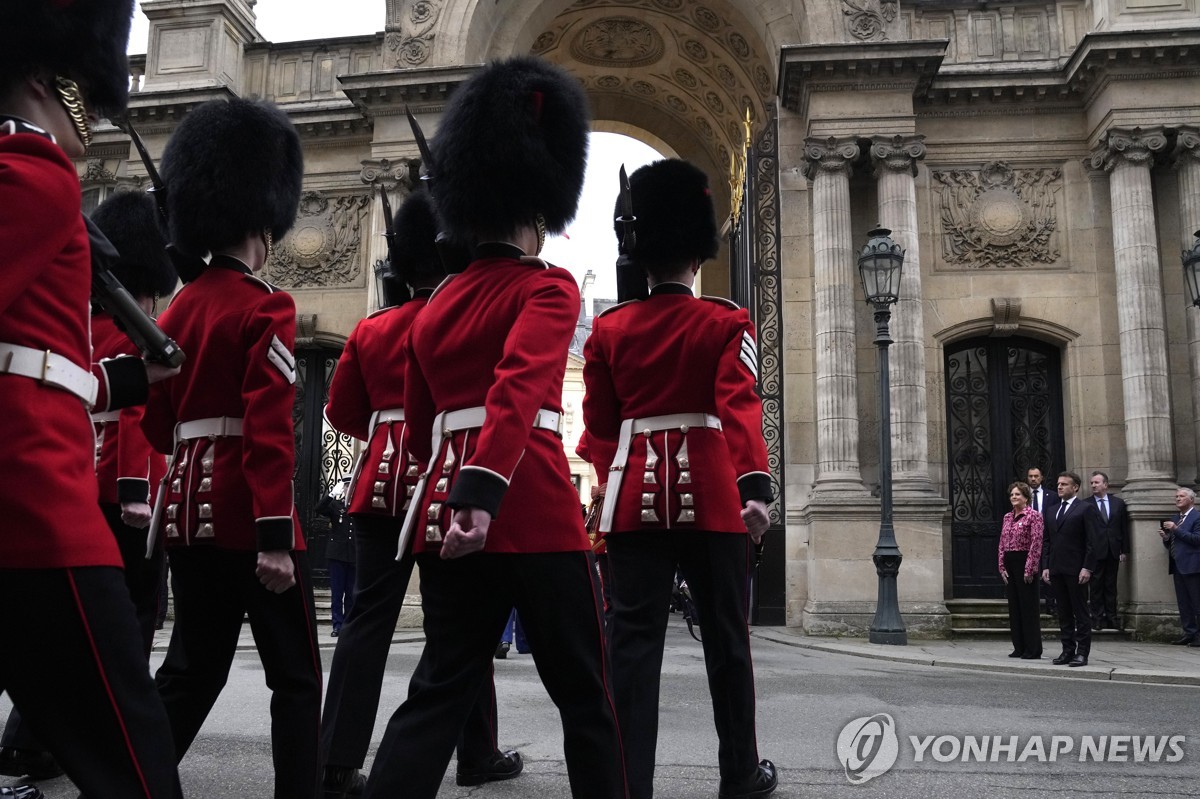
(232, 168)
(512, 144)
(130, 220)
(84, 40)
(676, 221)
(417, 227)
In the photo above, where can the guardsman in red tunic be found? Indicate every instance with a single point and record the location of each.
(670, 384)
(366, 400)
(126, 464)
(226, 510)
(87, 695)
(495, 521)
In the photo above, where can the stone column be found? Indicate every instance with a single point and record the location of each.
(1127, 155)
(828, 165)
(1187, 169)
(895, 159)
(395, 176)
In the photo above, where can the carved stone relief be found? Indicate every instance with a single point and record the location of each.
(617, 41)
(998, 217)
(410, 32)
(867, 20)
(323, 247)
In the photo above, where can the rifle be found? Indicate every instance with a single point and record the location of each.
(631, 280)
(113, 297)
(397, 287)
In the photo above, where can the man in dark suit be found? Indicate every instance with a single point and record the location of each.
(1181, 537)
(1068, 560)
(1112, 551)
(1043, 499)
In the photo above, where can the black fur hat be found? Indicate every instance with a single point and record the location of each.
(512, 144)
(130, 220)
(232, 168)
(676, 221)
(84, 40)
(416, 227)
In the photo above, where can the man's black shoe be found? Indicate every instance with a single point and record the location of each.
(21, 792)
(1078, 660)
(1065, 657)
(340, 782)
(21, 762)
(761, 784)
(1031, 657)
(1016, 653)
(1184, 641)
(502, 650)
(502, 766)
(1194, 644)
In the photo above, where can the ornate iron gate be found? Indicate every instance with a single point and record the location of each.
(757, 284)
(1003, 415)
(323, 455)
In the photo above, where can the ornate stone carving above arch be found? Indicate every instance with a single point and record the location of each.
(323, 248)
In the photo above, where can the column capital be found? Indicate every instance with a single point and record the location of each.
(1134, 146)
(897, 153)
(1187, 144)
(829, 155)
(390, 174)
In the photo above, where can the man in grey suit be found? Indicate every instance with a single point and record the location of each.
(1181, 537)
(1068, 560)
(1113, 550)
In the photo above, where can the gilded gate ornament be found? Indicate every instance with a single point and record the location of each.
(323, 247)
(998, 217)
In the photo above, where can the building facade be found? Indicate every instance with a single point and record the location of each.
(1039, 161)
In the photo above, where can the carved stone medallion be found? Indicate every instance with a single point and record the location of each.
(617, 41)
(999, 217)
(323, 247)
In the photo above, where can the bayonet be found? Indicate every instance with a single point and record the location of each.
(158, 188)
(631, 279)
(399, 285)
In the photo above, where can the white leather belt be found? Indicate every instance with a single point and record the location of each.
(216, 426)
(631, 427)
(444, 424)
(107, 417)
(49, 369)
(383, 417)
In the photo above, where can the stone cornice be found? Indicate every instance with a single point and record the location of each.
(897, 153)
(829, 155)
(160, 111)
(387, 93)
(808, 68)
(1100, 59)
(1133, 146)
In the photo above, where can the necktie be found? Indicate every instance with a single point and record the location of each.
(1037, 500)
(1062, 507)
(1104, 507)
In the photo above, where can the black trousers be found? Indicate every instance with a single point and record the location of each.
(1187, 595)
(467, 602)
(86, 694)
(142, 575)
(356, 675)
(142, 580)
(214, 590)
(1024, 609)
(716, 566)
(1074, 617)
(1103, 589)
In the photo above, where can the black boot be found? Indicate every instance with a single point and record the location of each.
(21, 792)
(761, 783)
(38, 765)
(340, 782)
(502, 766)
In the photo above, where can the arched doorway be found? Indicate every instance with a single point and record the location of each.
(1003, 415)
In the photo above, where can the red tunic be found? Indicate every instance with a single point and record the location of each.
(370, 378)
(48, 485)
(234, 492)
(675, 354)
(496, 336)
(126, 465)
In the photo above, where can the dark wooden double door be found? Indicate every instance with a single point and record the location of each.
(1003, 415)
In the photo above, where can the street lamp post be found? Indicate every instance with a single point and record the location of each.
(1191, 270)
(879, 267)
